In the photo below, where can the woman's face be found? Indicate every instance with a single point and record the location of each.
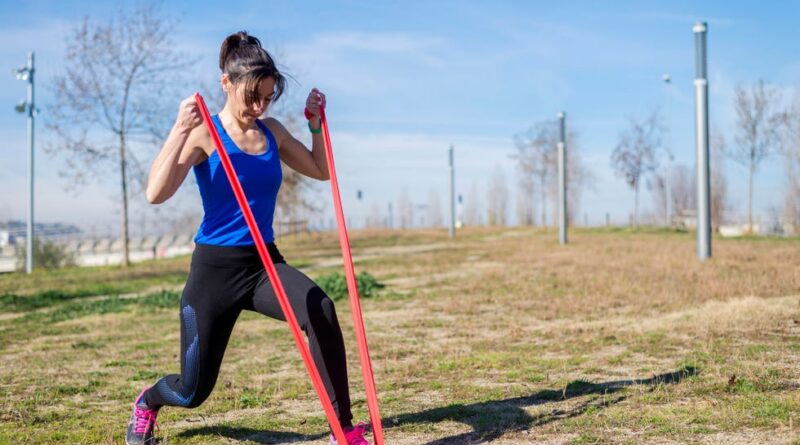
(237, 103)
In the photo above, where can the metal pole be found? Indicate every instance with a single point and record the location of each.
(668, 193)
(703, 183)
(452, 194)
(31, 113)
(562, 179)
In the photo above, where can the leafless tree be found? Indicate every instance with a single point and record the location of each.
(472, 206)
(791, 154)
(375, 217)
(538, 175)
(536, 157)
(406, 209)
(636, 155)
(683, 189)
(116, 95)
(497, 198)
(434, 208)
(757, 131)
(526, 195)
(719, 182)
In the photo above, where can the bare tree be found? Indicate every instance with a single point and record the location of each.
(537, 168)
(497, 198)
(636, 155)
(526, 195)
(719, 182)
(375, 217)
(472, 207)
(791, 154)
(434, 208)
(115, 96)
(757, 133)
(406, 209)
(683, 189)
(536, 157)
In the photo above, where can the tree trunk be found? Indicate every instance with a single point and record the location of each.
(544, 202)
(125, 253)
(636, 206)
(750, 198)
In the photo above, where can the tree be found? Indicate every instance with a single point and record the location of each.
(791, 155)
(47, 254)
(536, 157)
(526, 195)
(497, 198)
(757, 132)
(537, 165)
(434, 208)
(116, 95)
(472, 206)
(636, 154)
(406, 209)
(683, 189)
(719, 183)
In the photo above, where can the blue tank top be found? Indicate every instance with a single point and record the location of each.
(260, 175)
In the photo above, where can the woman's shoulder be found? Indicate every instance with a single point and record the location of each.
(199, 140)
(275, 127)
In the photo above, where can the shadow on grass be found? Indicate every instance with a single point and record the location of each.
(252, 434)
(490, 420)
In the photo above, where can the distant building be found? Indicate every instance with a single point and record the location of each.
(14, 232)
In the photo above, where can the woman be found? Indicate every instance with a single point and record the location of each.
(226, 274)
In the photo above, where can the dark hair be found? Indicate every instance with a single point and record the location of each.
(244, 60)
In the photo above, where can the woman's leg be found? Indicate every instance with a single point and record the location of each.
(210, 306)
(316, 315)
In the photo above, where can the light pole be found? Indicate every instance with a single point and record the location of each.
(452, 231)
(562, 178)
(26, 73)
(668, 193)
(701, 130)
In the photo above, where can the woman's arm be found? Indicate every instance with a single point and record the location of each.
(311, 163)
(180, 152)
(314, 163)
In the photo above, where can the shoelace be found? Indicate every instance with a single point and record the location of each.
(144, 417)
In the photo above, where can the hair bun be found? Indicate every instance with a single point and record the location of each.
(233, 41)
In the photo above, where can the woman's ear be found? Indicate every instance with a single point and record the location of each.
(225, 82)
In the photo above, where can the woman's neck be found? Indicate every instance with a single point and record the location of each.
(229, 119)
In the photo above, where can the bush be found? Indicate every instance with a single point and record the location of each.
(335, 285)
(47, 255)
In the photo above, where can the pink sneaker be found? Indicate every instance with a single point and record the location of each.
(354, 435)
(140, 426)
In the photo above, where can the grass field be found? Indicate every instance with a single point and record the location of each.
(500, 336)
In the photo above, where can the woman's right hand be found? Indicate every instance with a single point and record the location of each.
(188, 114)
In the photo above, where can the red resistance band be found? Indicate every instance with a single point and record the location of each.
(352, 289)
(273, 274)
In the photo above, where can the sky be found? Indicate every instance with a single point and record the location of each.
(405, 80)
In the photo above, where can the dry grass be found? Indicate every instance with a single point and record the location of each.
(500, 336)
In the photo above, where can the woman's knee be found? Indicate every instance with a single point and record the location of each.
(320, 307)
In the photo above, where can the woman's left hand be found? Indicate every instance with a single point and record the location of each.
(315, 100)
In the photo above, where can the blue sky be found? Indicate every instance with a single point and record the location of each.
(406, 79)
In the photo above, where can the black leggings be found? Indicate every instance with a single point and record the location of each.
(222, 282)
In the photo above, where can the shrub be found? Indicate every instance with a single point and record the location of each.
(47, 255)
(335, 285)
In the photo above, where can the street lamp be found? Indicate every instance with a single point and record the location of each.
(668, 195)
(25, 73)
